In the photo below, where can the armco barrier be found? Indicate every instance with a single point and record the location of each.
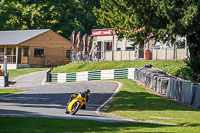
(127, 73)
(168, 85)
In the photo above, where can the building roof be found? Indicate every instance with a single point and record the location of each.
(18, 36)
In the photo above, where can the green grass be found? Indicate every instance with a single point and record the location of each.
(9, 91)
(17, 72)
(131, 102)
(176, 68)
(137, 103)
(47, 125)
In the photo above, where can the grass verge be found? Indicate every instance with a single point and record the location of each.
(17, 72)
(9, 91)
(137, 103)
(46, 125)
(176, 68)
(131, 102)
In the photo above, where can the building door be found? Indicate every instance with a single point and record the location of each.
(19, 55)
(100, 50)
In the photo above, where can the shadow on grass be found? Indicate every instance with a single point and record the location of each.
(141, 101)
(23, 125)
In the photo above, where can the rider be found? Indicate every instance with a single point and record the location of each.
(74, 95)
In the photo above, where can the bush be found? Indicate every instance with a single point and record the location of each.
(194, 64)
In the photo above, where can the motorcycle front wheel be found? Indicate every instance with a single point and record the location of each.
(75, 107)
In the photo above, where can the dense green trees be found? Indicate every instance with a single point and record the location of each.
(163, 19)
(160, 17)
(62, 16)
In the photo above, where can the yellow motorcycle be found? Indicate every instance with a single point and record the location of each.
(78, 102)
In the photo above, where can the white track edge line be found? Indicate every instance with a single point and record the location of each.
(43, 81)
(116, 91)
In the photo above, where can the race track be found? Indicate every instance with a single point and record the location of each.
(50, 100)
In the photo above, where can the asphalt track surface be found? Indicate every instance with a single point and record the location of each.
(32, 79)
(50, 100)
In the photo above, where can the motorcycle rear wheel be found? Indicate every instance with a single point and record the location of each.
(75, 107)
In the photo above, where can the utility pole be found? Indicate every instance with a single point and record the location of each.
(113, 47)
(5, 64)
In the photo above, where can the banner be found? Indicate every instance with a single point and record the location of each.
(84, 43)
(90, 44)
(72, 41)
(77, 43)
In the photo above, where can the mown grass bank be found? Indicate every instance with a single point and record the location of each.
(137, 103)
(47, 125)
(9, 91)
(17, 72)
(176, 68)
(132, 102)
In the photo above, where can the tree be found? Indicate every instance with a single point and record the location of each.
(162, 20)
(160, 17)
(62, 16)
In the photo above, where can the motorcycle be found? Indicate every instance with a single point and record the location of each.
(78, 102)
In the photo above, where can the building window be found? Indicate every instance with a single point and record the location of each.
(25, 51)
(119, 45)
(68, 54)
(1, 49)
(157, 45)
(108, 46)
(129, 48)
(8, 51)
(39, 52)
(129, 44)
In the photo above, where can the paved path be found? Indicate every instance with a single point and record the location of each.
(32, 79)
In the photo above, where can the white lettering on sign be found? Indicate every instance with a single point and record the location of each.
(102, 32)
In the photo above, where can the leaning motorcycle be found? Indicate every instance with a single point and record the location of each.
(76, 104)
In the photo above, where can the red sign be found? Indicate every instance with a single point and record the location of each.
(103, 32)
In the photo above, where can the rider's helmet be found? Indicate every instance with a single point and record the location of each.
(87, 92)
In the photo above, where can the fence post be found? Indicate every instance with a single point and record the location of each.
(6, 79)
(121, 55)
(49, 75)
(156, 54)
(5, 63)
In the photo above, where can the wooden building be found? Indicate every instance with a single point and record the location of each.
(33, 48)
